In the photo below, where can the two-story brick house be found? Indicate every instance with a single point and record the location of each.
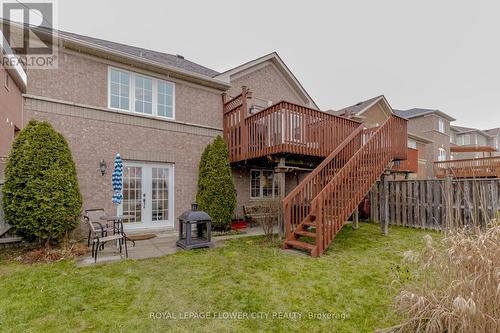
(433, 125)
(159, 111)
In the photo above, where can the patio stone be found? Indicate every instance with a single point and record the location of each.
(162, 244)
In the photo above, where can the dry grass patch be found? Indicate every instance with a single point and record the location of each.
(456, 287)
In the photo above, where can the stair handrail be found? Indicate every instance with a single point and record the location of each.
(299, 199)
(373, 137)
(320, 166)
(345, 177)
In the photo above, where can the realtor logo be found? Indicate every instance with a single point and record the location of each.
(29, 34)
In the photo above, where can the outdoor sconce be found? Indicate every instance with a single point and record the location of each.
(102, 167)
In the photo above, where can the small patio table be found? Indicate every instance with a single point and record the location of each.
(118, 224)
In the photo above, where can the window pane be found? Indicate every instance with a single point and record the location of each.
(115, 102)
(255, 184)
(143, 94)
(267, 184)
(165, 99)
(119, 89)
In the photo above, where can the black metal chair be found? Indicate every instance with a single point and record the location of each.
(98, 242)
(94, 216)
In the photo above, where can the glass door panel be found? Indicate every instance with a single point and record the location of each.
(132, 193)
(159, 195)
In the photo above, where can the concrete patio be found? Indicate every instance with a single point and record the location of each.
(162, 244)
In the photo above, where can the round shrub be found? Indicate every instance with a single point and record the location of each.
(216, 194)
(41, 197)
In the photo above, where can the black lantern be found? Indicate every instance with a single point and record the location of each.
(195, 229)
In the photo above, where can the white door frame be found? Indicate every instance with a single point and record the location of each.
(146, 189)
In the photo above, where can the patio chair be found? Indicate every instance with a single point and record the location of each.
(99, 241)
(94, 216)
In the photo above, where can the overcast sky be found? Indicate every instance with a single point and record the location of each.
(433, 54)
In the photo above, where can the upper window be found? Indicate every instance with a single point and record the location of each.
(463, 140)
(143, 94)
(441, 125)
(133, 92)
(412, 144)
(441, 154)
(165, 99)
(262, 184)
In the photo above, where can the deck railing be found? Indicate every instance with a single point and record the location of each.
(297, 203)
(408, 165)
(468, 168)
(281, 128)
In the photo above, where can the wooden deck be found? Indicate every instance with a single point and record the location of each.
(410, 165)
(281, 128)
(468, 168)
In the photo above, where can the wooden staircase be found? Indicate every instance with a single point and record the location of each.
(320, 205)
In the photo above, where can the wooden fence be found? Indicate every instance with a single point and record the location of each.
(2, 222)
(435, 204)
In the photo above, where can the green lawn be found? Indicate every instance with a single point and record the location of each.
(351, 283)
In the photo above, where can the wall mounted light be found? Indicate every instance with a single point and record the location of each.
(102, 167)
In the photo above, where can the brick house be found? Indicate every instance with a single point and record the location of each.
(159, 111)
(433, 125)
(12, 85)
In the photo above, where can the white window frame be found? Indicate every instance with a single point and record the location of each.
(261, 196)
(441, 154)
(441, 127)
(131, 94)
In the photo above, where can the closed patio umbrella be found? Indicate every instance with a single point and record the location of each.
(117, 181)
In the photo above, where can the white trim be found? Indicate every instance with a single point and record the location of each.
(17, 70)
(131, 94)
(147, 222)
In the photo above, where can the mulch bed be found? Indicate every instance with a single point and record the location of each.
(37, 254)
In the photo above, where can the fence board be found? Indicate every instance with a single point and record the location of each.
(435, 203)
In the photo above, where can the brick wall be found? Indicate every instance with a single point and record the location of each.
(94, 134)
(427, 127)
(11, 114)
(83, 79)
(266, 83)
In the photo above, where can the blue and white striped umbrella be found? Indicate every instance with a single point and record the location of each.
(117, 180)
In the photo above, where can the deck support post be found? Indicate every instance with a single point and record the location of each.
(384, 221)
(281, 183)
(355, 219)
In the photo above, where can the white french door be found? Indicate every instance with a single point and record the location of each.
(148, 195)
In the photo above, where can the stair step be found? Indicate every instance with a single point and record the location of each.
(305, 233)
(310, 223)
(300, 245)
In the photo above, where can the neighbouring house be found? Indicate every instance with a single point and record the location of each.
(494, 140)
(473, 142)
(159, 111)
(373, 112)
(13, 81)
(433, 125)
